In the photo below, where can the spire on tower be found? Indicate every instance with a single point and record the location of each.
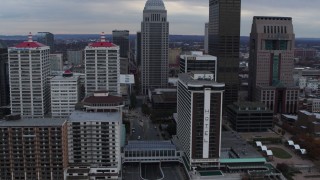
(30, 37)
(103, 37)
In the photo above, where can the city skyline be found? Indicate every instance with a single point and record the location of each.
(186, 16)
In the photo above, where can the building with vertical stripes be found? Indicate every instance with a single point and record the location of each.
(29, 70)
(199, 109)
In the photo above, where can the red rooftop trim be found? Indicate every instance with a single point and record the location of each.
(29, 45)
(102, 44)
(67, 71)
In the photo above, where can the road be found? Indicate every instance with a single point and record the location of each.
(142, 125)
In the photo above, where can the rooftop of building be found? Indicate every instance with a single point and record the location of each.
(197, 55)
(102, 43)
(149, 145)
(154, 5)
(30, 122)
(102, 97)
(240, 148)
(165, 97)
(272, 18)
(310, 113)
(30, 43)
(249, 106)
(67, 75)
(189, 79)
(82, 116)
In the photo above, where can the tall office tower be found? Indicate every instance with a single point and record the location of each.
(196, 61)
(46, 38)
(4, 75)
(94, 137)
(271, 64)
(29, 70)
(56, 62)
(206, 38)
(33, 148)
(138, 49)
(199, 109)
(121, 39)
(102, 67)
(154, 46)
(75, 57)
(65, 94)
(224, 43)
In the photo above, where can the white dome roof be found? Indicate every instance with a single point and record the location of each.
(154, 5)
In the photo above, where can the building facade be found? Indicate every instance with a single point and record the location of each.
(102, 67)
(199, 122)
(206, 38)
(196, 61)
(46, 38)
(94, 135)
(138, 49)
(75, 57)
(224, 43)
(154, 46)
(4, 75)
(121, 39)
(56, 62)
(29, 70)
(271, 64)
(65, 94)
(250, 117)
(33, 149)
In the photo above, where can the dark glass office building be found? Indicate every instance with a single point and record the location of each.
(4, 75)
(121, 38)
(224, 40)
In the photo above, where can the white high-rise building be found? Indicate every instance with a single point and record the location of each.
(94, 137)
(154, 46)
(65, 93)
(102, 67)
(29, 68)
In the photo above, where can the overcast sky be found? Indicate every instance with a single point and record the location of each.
(18, 17)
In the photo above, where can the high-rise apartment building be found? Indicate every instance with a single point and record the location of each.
(46, 38)
(154, 46)
(138, 49)
(29, 70)
(196, 61)
(75, 57)
(121, 39)
(102, 67)
(65, 94)
(33, 149)
(95, 137)
(271, 64)
(224, 43)
(4, 75)
(199, 122)
(206, 38)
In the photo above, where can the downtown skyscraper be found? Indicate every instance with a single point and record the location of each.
(154, 46)
(121, 39)
(29, 70)
(272, 42)
(224, 43)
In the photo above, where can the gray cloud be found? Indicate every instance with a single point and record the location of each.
(185, 16)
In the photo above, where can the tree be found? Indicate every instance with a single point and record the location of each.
(145, 109)
(172, 129)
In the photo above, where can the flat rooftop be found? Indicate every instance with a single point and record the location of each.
(149, 145)
(30, 122)
(189, 81)
(232, 140)
(82, 116)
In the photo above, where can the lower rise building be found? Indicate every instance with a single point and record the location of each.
(249, 117)
(33, 149)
